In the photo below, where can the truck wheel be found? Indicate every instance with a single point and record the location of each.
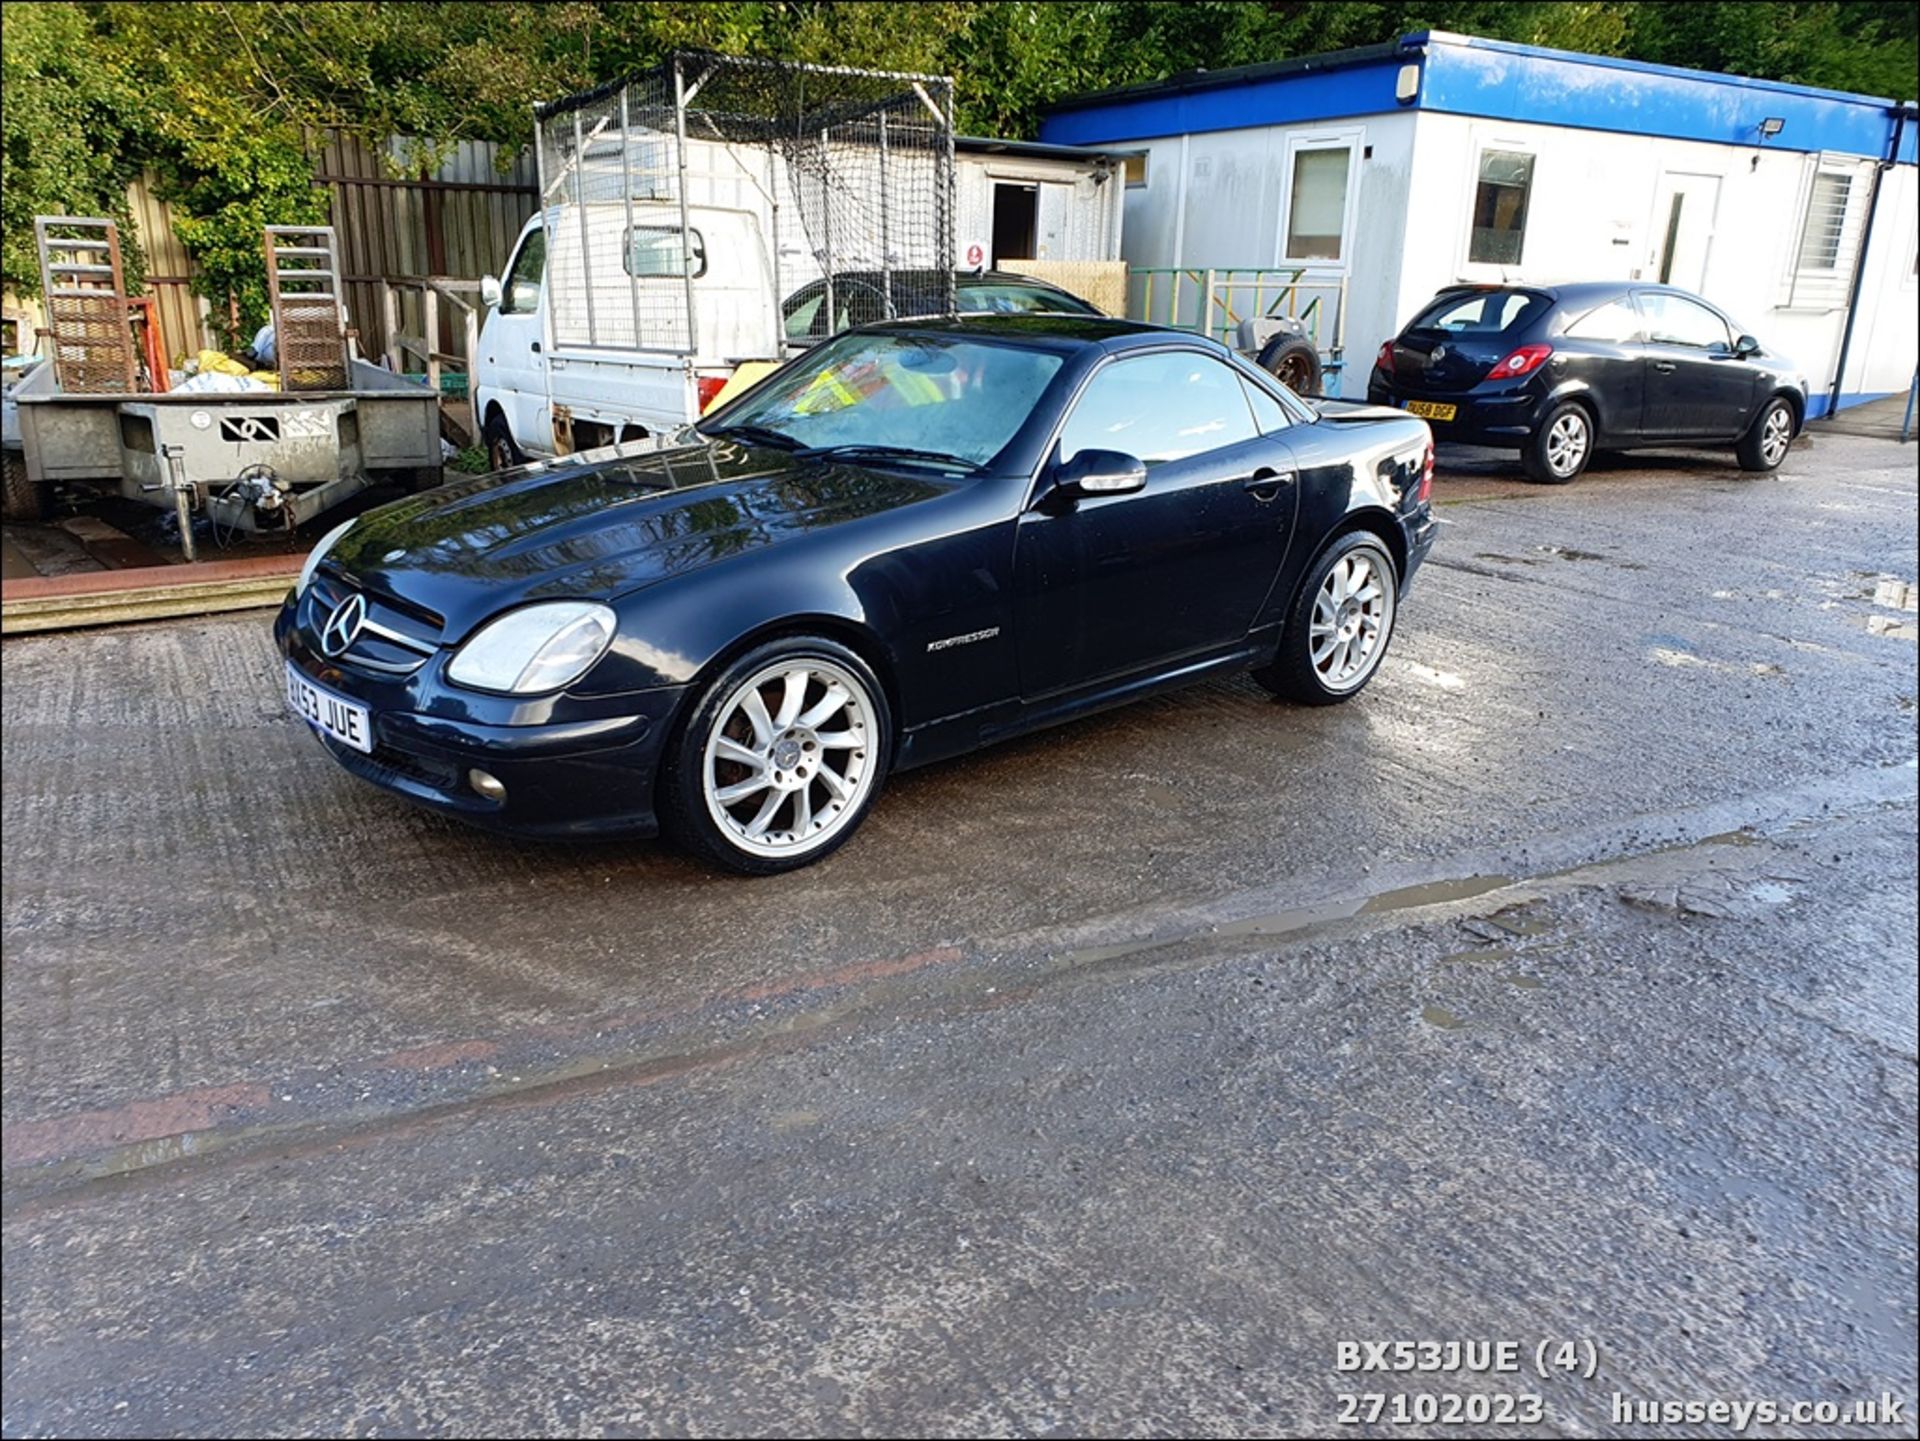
(502, 453)
(1293, 361)
(22, 500)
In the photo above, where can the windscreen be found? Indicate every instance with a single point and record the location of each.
(939, 394)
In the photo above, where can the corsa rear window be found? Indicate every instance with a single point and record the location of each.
(1480, 312)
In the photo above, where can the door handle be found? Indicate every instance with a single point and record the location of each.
(1665, 367)
(1264, 484)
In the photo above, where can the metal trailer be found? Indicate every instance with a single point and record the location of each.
(250, 460)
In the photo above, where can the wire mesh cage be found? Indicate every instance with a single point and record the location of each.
(685, 204)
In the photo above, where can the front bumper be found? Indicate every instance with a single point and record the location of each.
(567, 779)
(1494, 417)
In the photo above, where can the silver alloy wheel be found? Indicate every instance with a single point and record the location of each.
(1352, 619)
(1776, 434)
(1567, 443)
(790, 757)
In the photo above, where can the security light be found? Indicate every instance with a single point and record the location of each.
(1771, 127)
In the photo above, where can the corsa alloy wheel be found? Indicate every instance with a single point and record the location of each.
(1567, 443)
(790, 758)
(1352, 619)
(1776, 434)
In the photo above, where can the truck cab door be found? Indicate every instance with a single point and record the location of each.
(512, 370)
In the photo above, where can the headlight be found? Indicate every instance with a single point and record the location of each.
(318, 554)
(536, 648)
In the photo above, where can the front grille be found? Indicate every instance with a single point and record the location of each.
(394, 639)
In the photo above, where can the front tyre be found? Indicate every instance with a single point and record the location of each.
(503, 453)
(1341, 623)
(1765, 444)
(780, 758)
(1562, 445)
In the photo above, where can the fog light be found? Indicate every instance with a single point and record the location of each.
(488, 786)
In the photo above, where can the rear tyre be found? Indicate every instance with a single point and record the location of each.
(1340, 626)
(1558, 451)
(502, 452)
(1293, 361)
(1767, 440)
(22, 500)
(780, 758)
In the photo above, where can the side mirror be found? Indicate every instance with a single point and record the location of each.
(490, 292)
(1094, 473)
(1746, 345)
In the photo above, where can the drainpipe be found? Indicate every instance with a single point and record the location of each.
(1900, 113)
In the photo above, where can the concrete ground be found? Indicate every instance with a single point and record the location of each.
(1559, 990)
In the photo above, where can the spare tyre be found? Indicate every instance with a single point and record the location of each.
(1293, 361)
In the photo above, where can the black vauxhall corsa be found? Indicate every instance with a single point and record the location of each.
(911, 541)
(1561, 371)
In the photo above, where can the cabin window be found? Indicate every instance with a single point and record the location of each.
(1500, 207)
(1825, 226)
(1317, 202)
(654, 252)
(522, 293)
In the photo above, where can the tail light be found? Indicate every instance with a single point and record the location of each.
(708, 387)
(1524, 361)
(1384, 360)
(1425, 488)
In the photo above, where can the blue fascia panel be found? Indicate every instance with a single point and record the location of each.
(1467, 75)
(1818, 407)
(1283, 100)
(1471, 76)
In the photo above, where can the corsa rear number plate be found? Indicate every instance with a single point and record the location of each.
(346, 722)
(1430, 410)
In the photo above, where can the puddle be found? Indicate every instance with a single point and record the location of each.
(1769, 893)
(1486, 955)
(1443, 680)
(1667, 656)
(1517, 926)
(1440, 1016)
(1891, 594)
(1525, 983)
(1567, 552)
(1498, 559)
(1888, 625)
(1300, 918)
(1435, 893)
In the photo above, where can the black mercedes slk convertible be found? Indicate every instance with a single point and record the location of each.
(913, 540)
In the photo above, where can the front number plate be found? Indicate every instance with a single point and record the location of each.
(331, 714)
(1430, 410)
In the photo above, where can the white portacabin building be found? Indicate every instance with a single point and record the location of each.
(1388, 172)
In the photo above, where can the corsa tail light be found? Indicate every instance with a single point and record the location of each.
(1425, 488)
(1384, 360)
(1524, 361)
(708, 387)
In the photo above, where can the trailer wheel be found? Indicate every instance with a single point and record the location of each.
(21, 499)
(1293, 361)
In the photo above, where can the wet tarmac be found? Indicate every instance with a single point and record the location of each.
(1561, 988)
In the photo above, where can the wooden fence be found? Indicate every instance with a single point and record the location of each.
(459, 220)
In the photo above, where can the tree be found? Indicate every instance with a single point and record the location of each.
(219, 97)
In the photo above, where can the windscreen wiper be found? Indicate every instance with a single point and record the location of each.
(907, 453)
(757, 435)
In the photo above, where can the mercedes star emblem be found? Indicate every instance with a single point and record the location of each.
(343, 626)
